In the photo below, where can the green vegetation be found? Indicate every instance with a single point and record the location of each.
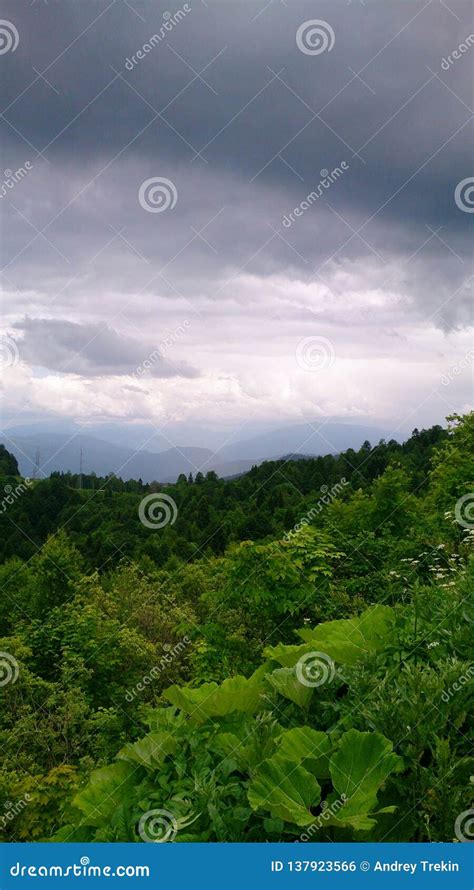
(283, 662)
(102, 520)
(8, 464)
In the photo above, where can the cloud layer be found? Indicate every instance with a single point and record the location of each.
(92, 351)
(239, 127)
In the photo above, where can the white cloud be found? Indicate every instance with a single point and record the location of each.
(388, 361)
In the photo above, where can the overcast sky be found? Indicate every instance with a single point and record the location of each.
(154, 267)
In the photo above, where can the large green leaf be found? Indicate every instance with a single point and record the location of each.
(166, 718)
(358, 769)
(307, 746)
(349, 640)
(285, 790)
(108, 789)
(150, 751)
(287, 656)
(231, 746)
(246, 745)
(345, 815)
(285, 681)
(210, 700)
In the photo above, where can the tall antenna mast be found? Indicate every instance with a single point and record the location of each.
(37, 464)
(80, 468)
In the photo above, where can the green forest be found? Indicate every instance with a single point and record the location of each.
(287, 658)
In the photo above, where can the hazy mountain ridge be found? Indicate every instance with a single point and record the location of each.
(62, 452)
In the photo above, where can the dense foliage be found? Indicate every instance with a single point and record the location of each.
(102, 519)
(307, 676)
(8, 463)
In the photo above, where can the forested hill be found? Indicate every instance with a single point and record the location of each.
(101, 517)
(142, 670)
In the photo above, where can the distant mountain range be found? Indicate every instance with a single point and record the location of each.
(60, 451)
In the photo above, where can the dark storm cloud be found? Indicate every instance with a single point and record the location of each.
(95, 106)
(92, 351)
(244, 124)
